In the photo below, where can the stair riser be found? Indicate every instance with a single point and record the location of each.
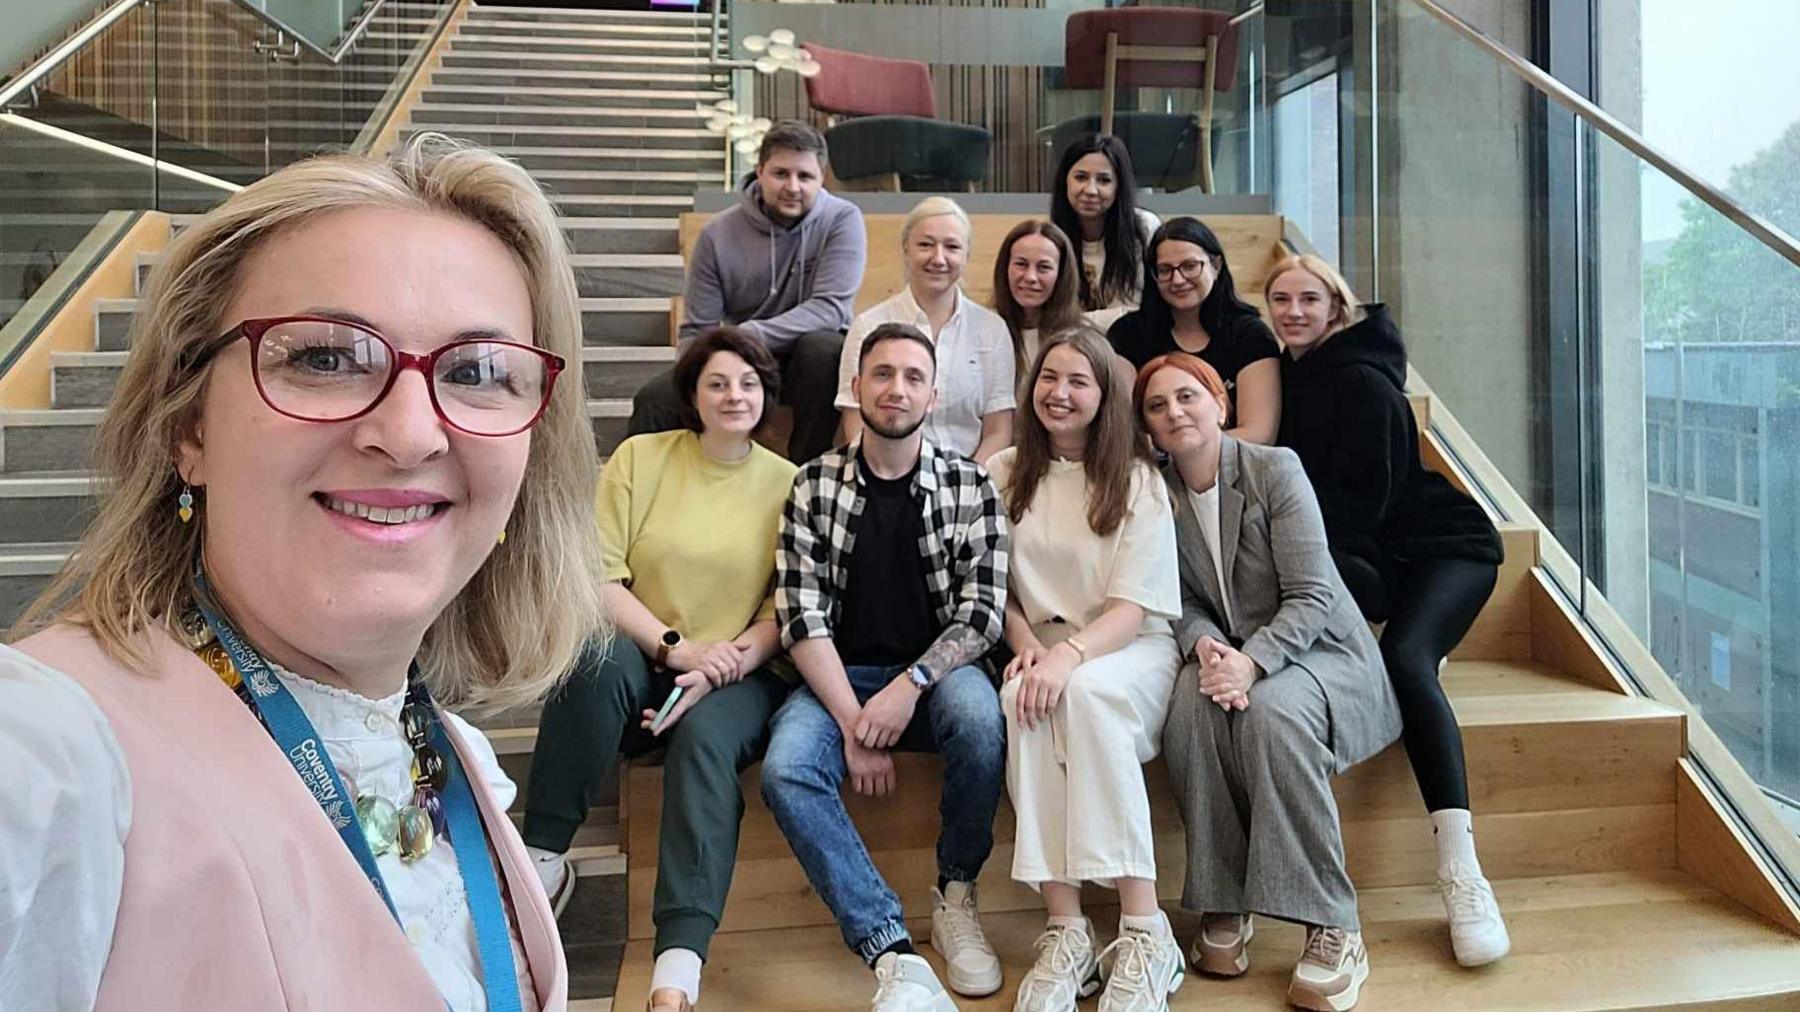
(704, 149)
(642, 330)
(470, 94)
(1533, 818)
(623, 240)
(628, 282)
(600, 328)
(612, 187)
(38, 519)
(623, 64)
(526, 79)
(66, 447)
(16, 592)
(608, 380)
(520, 120)
(597, 30)
(90, 386)
(83, 386)
(486, 42)
(592, 206)
(487, 16)
(705, 163)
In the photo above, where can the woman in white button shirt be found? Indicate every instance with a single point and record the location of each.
(975, 376)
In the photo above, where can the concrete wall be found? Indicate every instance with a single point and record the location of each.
(1455, 251)
(1620, 289)
(36, 25)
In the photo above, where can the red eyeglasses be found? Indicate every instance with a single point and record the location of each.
(321, 370)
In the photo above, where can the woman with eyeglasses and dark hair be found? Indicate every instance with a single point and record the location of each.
(1191, 304)
(1094, 202)
(348, 486)
(690, 520)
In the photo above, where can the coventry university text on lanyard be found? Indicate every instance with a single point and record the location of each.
(299, 743)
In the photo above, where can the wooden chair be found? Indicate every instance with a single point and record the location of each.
(893, 135)
(1153, 47)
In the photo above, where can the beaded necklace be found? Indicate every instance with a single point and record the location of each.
(410, 829)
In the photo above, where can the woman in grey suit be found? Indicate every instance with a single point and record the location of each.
(1283, 688)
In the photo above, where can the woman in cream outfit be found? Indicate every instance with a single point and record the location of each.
(1093, 586)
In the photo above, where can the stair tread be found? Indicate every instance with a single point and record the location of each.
(1593, 941)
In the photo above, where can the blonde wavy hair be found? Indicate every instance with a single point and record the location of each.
(1346, 308)
(518, 626)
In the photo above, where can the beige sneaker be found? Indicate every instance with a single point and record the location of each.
(970, 966)
(1331, 971)
(1065, 972)
(1222, 948)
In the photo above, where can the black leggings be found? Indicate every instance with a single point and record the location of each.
(1429, 605)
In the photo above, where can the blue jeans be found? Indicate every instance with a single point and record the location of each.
(960, 719)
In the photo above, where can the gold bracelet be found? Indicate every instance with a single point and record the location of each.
(1080, 650)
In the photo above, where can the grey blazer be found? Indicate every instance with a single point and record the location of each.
(1288, 603)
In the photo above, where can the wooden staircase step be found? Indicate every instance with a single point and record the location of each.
(1564, 778)
(1613, 940)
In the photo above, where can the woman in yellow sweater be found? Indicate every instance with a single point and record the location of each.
(705, 500)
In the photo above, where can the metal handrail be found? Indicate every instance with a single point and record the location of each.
(1765, 231)
(75, 43)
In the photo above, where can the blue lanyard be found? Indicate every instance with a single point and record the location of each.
(299, 743)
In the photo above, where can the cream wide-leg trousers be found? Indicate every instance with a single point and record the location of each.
(1077, 779)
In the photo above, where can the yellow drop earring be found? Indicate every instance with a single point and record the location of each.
(184, 503)
(502, 536)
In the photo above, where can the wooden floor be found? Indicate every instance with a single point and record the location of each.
(1617, 940)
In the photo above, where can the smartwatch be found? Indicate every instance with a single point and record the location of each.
(920, 676)
(670, 640)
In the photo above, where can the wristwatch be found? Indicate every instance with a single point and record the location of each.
(670, 640)
(920, 676)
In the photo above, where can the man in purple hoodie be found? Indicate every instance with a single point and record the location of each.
(785, 265)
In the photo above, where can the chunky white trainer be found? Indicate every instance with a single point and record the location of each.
(1476, 931)
(1142, 970)
(1331, 970)
(905, 983)
(1065, 972)
(1222, 947)
(556, 875)
(970, 965)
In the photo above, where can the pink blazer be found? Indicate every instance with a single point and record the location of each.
(237, 891)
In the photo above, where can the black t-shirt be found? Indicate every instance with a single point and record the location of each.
(886, 617)
(1241, 340)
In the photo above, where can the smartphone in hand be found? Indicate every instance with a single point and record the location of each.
(668, 707)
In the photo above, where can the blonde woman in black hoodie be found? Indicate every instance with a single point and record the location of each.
(1415, 552)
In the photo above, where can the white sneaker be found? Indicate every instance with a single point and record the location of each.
(1065, 972)
(1142, 970)
(556, 875)
(1476, 931)
(905, 983)
(970, 965)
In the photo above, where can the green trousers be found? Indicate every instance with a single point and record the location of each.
(594, 719)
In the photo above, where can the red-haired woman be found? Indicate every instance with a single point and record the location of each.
(1281, 690)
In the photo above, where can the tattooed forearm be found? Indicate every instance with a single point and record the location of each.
(955, 646)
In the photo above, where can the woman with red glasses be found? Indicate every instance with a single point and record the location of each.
(346, 491)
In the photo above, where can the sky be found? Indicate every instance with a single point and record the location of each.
(1721, 82)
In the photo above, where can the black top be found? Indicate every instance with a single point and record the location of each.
(886, 617)
(1242, 339)
(1344, 412)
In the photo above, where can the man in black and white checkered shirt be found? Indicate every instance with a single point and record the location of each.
(890, 586)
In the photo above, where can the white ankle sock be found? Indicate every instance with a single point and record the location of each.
(1068, 922)
(677, 968)
(540, 854)
(1156, 924)
(1455, 832)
